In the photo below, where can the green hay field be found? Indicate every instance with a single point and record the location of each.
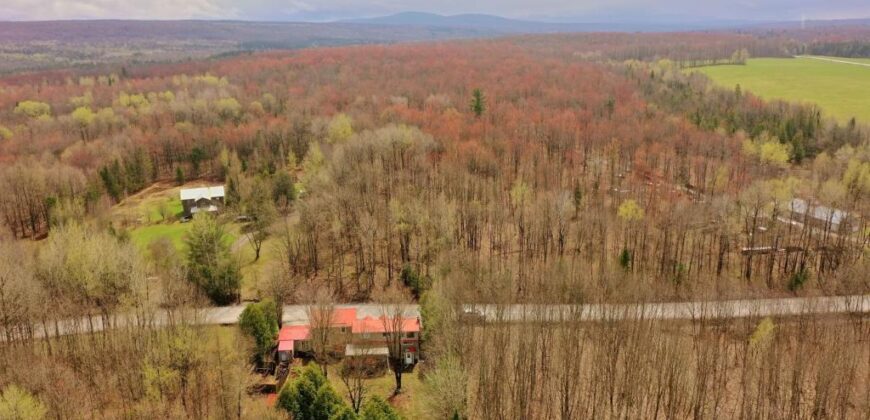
(841, 90)
(143, 236)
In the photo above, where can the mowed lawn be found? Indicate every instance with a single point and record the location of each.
(143, 236)
(841, 90)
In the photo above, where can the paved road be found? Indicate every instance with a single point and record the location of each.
(676, 310)
(833, 60)
(224, 315)
(297, 314)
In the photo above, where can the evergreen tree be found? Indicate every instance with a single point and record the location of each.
(283, 189)
(210, 265)
(179, 175)
(478, 103)
(625, 259)
(259, 321)
(378, 409)
(110, 183)
(310, 397)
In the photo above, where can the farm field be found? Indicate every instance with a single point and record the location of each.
(849, 59)
(840, 89)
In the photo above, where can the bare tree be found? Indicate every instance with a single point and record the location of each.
(280, 286)
(321, 313)
(354, 373)
(19, 293)
(393, 313)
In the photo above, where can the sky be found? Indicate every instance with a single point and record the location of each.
(325, 10)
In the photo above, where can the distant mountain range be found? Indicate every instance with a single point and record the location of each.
(88, 43)
(506, 25)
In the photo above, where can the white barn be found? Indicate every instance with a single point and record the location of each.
(208, 199)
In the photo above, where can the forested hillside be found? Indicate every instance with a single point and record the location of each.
(553, 169)
(384, 136)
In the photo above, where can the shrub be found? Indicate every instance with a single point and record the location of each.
(798, 279)
(16, 403)
(310, 396)
(625, 259)
(414, 281)
(378, 409)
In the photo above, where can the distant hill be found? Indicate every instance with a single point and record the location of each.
(506, 25)
(480, 22)
(464, 20)
(87, 43)
(84, 43)
(293, 34)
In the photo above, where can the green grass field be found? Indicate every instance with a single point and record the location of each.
(842, 90)
(142, 236)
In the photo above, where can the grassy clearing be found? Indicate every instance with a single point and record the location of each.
(142, 215)
(253, 271)
(143, 207)
(840, 89)
(853, 60)
(407, 403)
(153, 213)
(142, 236)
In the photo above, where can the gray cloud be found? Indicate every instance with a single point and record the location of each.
(587, 10)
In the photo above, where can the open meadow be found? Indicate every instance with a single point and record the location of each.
(840, 89)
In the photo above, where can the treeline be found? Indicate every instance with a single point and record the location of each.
(799, 126)
(689, 50)
(853, 49)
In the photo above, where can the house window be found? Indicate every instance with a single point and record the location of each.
(409, 335)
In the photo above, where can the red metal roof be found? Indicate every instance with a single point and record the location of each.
(344, 316)
(377, 325)
(294, 332)
(289, 334)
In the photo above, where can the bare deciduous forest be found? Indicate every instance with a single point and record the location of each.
(559, 169)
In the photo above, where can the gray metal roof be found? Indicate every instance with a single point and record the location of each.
(202, 192)
(819, 212)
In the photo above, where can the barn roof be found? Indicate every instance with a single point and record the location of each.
(823, 213)
(202, 192)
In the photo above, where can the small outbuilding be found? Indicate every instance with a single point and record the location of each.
(821, 217)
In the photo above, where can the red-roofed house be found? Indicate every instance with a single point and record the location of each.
(373, 333)
(366, 336)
